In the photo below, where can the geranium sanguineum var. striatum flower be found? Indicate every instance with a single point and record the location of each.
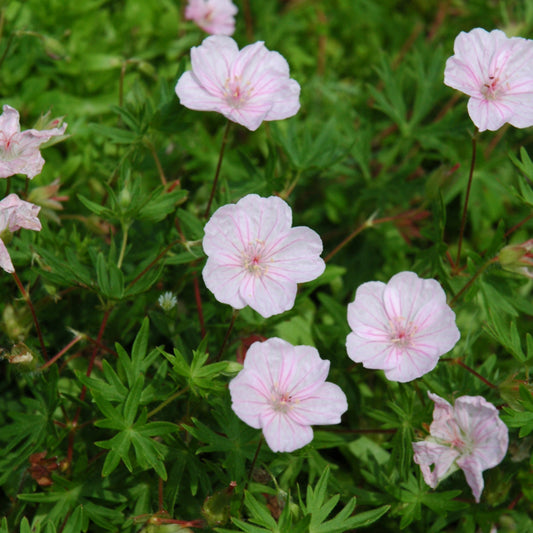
(256, 258)
(469, 436)
(216, 17)
(19, 151)
(246, 86)
(282, 390)
(401, 327)
(15, 214)
(497, 73)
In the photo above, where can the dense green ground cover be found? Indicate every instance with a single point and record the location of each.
(133, 421)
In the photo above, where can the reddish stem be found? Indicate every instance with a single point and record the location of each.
(474, 373)
(74, 423)
(198, 299)
(217, 171)
(62, 352)
(27, 299)
(517, 226)
(226, 337)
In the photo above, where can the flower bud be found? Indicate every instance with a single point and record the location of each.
(518, 258)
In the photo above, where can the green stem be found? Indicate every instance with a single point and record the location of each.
(217, 171)
(467, 197)
(226, 337)
(286, 193)
(125, 229)
(167, 401)
(469, 283)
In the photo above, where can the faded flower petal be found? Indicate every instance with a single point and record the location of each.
(401, 327)
(256, 258)
(15, 214)
(497, 73)
(213, 16)
(469, 436)
(282, 390)
(247, 86)
(19, 151)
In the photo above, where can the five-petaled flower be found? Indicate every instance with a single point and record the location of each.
(256, 258)
(497, 73)
(469, 436)
(282, 390)
(15, 214)
(19, 151)
(216, 17)
(246, 86)
(401, 327)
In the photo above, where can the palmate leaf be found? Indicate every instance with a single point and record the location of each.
(521, 419)
(236, 441)
(314, 517)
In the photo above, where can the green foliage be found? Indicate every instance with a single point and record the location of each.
(128, 426)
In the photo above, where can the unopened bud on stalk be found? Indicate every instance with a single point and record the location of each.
(518, 258)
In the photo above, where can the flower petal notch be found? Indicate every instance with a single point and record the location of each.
(246, 86)
(256, 258)
(15, 214)
(497, 73)
(469, 436)
(282, 390)
(19, 151)
(216, 17)
(401, 327)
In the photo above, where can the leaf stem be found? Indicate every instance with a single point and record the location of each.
(125, 229)
(469, 283)
(226, 337)
(474, 373)
(167, 401)
(27, 299)
(217, 171)
(62, 352)
(467, 197)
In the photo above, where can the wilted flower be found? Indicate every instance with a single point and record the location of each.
(48, 199)
(246, 86)
(469, 436)
(213, 16)
(518, 258)
(497, 73)
(15, 214)
(167, 301)
(282, 390)
(401, 327)
(19, 151)
(255, 258)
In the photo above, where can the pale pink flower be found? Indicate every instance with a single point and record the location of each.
(497, 73)
(246, 86)
(19, 151)
(15, 214)
(216, 17)
(256, 258)
(282, 390)
(469, 436)
(401, 327)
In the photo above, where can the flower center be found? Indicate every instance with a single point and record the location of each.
(281, 402)
(401, 332)
(237, 92)
(492, 88)
(253, 258)
(8, 147)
